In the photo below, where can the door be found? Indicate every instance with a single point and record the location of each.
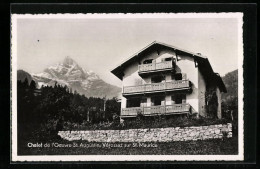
(179, 99)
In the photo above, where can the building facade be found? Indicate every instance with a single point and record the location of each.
(164, 80)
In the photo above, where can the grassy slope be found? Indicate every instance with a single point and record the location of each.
(213, 146)
(209, 147)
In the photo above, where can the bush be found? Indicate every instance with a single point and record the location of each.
(171, 121)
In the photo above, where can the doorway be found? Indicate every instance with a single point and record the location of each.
(157, 79)
(133, 102)
(179, 98)
(158, 100)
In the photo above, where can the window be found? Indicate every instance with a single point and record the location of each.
(184, 76)
(148, 61)
(179, 98)
(167, 59)
(158, 100)
(157, 79)
(177, 76)
(133, 102)
(144, 102)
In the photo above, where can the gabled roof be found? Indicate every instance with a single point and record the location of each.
(155, 45)
(220, 83)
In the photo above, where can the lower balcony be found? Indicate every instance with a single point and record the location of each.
(156, 87)
(156, 110)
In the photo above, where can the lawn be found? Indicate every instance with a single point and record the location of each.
(229, 146)
(54, 145)
(148, 122)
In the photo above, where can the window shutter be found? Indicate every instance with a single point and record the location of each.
(184, 76)
(162, 102)
(174, 60)
(183, 98)
(143, 102)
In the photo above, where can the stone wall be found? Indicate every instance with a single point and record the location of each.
(151, 135)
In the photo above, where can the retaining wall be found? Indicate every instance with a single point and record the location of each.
(151, 135)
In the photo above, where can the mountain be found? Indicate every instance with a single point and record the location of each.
(21, 75)
(231, 82)
(230, 99)
(69, 73)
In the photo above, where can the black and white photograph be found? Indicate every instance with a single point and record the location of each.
(127, 87)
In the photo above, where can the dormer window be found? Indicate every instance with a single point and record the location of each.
(167, 59)
(148, 61)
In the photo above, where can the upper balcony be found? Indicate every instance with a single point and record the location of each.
(157, 87)
(149, 68)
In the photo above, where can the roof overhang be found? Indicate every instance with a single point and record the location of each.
(210, 75)
(157, 46)
(220, 83)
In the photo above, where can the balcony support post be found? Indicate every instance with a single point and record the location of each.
(195, 62)
(165, 99)
(165, 107)
(158, 53)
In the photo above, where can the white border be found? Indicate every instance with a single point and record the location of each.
(15, 157)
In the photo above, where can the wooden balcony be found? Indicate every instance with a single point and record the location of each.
(156, 87)
(156, 110)
(145, 69)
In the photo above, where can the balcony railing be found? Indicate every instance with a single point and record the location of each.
(156, 110)
(153, 87)
(155, 66)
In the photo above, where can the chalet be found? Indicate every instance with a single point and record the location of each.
(163, 79)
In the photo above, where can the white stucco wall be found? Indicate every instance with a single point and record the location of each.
(219, 103)
(131, 77)
(123, 102)
(201, 91)
(185, 65)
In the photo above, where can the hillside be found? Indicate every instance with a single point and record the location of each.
(231, 82)
(21, 75)
(76, 78)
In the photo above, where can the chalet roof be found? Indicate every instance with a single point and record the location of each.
(220, 83)
(155, 45)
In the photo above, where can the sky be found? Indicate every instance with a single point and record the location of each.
(101, 44)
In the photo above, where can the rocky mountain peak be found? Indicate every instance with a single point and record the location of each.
(69, 73)
(68, 61)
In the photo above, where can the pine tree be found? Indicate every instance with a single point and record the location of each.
(25, 82)
(32, 85)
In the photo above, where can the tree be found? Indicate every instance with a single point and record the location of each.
(112, 107)
(32, 85)
(212, 103)
(26, 82)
